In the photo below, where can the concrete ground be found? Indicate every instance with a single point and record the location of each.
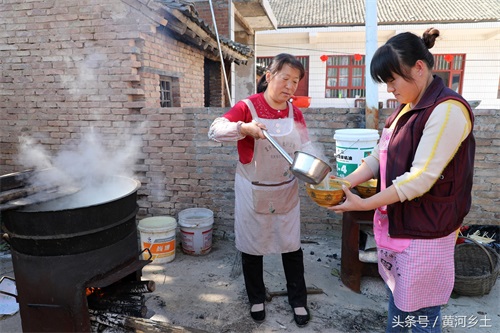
(199, 292)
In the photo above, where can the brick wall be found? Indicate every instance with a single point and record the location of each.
(67, 69)
(221, 12)
(180, 168)
(197, 172)
(52, 83)
(161, 55)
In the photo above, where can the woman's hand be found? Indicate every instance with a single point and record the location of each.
(354, 202)
(351, 202)
(253, 129)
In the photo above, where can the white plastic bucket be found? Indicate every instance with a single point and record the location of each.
(158, 235)
(352, 146)
(196, 230)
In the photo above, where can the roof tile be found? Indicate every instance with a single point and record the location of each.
(321, 13)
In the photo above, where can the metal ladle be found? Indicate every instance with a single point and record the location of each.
(304, 166)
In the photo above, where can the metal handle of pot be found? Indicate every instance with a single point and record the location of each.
(7, 293)
(277, 146)
(148, 251)
(6, 238)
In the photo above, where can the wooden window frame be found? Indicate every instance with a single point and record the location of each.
(455, 67)
(334, 63)
(166, 92)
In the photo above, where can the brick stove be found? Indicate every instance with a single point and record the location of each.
(58, 255)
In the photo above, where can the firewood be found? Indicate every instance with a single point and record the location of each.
(130, 287)
(95, 327)
(134, 324)
(122, 300)
(131, 305)
(131, 310)
(17, 193)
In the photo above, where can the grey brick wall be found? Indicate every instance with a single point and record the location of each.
(196, 172)
(180, 168)
(69, 67)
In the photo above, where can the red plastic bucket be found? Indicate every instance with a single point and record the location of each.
(301, 101)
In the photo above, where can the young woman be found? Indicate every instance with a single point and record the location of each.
(424, 164)
(267, 207)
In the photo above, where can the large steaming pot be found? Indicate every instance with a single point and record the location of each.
(43, 231)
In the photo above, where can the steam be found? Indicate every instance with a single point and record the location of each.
(316, 149)
(95, 170)
(33, 156)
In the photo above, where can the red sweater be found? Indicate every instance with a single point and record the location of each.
(241, 112)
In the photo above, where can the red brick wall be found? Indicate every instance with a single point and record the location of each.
(63, 68)
(161, 54)
(70, 66)
(221, 11)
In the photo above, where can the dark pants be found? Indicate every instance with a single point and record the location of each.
(293, 265)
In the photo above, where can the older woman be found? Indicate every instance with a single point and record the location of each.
(267, 207)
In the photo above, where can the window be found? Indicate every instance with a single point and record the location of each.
(166, 92)
(345, 76)
(450, 67)
(264, 62)
(392, 103)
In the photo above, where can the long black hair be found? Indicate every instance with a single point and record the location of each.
(277, 64)
(400, 53)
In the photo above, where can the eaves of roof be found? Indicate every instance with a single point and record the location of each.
(257, 15)
(184, 22)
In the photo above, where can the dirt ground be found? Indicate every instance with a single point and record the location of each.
(200, 292)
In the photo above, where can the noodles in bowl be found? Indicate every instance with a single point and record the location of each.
(328, 193)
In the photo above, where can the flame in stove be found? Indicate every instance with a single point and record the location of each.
(94, 291)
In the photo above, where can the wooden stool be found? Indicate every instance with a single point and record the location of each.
(351, 268)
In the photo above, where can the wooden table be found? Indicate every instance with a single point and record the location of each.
(351, 268)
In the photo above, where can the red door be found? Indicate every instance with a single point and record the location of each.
(303, 88)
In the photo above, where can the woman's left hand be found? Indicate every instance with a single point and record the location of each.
(351, 202)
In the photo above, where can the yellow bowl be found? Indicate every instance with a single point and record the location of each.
(327, 197)
(367, 189)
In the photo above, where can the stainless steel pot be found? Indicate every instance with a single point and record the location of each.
(304, 166)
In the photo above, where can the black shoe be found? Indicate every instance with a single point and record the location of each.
(258, 316)
(301, 320)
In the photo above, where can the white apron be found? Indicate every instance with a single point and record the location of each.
(267, 206)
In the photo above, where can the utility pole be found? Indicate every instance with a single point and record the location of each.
(371, 111)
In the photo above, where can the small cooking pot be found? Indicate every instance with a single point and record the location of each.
(304, 166)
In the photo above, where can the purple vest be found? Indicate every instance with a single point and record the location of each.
(442, 209)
